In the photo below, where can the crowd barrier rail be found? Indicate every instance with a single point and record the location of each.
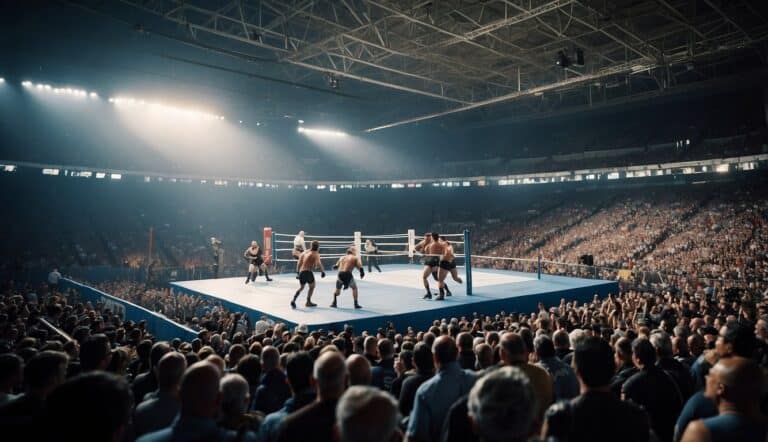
(158, 325)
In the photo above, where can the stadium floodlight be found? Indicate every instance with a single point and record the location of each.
(301, 121)
(321, 132)
(26, 83)
(2, 80)
(93, 95)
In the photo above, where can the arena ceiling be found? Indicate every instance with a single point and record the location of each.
(485, 60)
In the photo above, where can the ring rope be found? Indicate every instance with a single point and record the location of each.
(281, 241)
(314, 236)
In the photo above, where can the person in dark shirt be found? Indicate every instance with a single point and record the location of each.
(22, 417)
(371, 350)
(596, 415)
(147, 382)
(467, 358)
(315, 421)
(425, 369)
(625, 367)
(735, 384)
(404, 367)
(562, 344)
(273, 391)
(103, 397)
(654, 390)
(665, 361)
(384, 373)
(299, 372)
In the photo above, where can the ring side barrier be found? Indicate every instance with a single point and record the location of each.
(543, 266)
(335, 242)
(160, 326)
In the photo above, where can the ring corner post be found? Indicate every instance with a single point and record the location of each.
(538, 267)
(468, 260)
(358, 244)
(411, 244)
(269, 249)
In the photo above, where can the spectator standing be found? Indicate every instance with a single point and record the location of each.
(596, 415)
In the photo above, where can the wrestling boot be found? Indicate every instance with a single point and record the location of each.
(310, 303)
(293, 301)
(358, 305)
(447, 291)
(333, 304)
(441, 296)
(266, 275)
(428, 295)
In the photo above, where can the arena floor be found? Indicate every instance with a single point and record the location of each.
(393, 295)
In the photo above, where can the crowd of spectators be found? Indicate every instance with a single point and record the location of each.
(664, 239)
(674, 365)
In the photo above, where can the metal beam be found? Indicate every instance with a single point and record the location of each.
(681, 18)
(632, 67)
(376, 82)
(728, 19)
(339, 72)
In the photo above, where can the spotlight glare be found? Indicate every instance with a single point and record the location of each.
(94, 95)
(2, 80)
(26, 83)
(47, 87)
(321, 132)
(38, 86)
(301, 121)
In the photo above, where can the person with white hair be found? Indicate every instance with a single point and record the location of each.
(502, 406)
(235, 398)
(367, 414)
(299, 245)
(576, 337)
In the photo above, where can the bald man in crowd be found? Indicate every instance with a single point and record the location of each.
(359, 370)
(736, 385)
(502, 406)
(200, 405)
(367, 414)
(435, 396)
(158, 412)
(315, 421)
